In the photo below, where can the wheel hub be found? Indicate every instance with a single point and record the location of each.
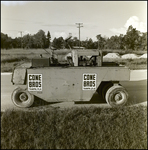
(118, 97)
(23, 97)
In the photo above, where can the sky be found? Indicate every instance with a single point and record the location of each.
(108, 18)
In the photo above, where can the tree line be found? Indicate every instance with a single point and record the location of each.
(133, 40)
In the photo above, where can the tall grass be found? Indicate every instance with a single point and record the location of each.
(76, 128)
(14, 58)
(134, 63)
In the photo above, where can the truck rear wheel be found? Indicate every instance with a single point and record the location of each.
(105, 88)
(116, 96)
(22, 98)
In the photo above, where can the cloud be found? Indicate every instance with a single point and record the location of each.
(135, 22)
(13, 3)
(94, 38)
(60, 34)
(26, 32)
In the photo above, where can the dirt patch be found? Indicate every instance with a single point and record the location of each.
(112, 55)
(125, 56)
(129, 56)
(143, 56)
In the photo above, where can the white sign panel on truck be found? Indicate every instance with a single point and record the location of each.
(34, 82)
(89, 81)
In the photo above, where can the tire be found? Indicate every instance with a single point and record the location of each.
(105, 88)
(99, 90)
(22, 98)
(116, 96)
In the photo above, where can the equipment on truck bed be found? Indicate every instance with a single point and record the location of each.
(83, 74)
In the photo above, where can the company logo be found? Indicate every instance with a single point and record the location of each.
(34, 82)
(89, 81)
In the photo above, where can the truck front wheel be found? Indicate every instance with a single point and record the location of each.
(22, 98)
(116, 96)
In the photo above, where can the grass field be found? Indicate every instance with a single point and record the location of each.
(12, 58)
(75, 128)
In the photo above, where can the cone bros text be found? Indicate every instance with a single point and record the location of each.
(89, 81)
(34, 82)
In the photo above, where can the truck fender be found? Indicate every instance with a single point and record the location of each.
(19, 76)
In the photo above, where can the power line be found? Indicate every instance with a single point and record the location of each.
(79, 26)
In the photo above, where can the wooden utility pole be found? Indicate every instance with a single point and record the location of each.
(79, 26)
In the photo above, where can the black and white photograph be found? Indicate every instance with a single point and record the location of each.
(73, 74)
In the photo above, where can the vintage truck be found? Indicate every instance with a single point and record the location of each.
(84, 74)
